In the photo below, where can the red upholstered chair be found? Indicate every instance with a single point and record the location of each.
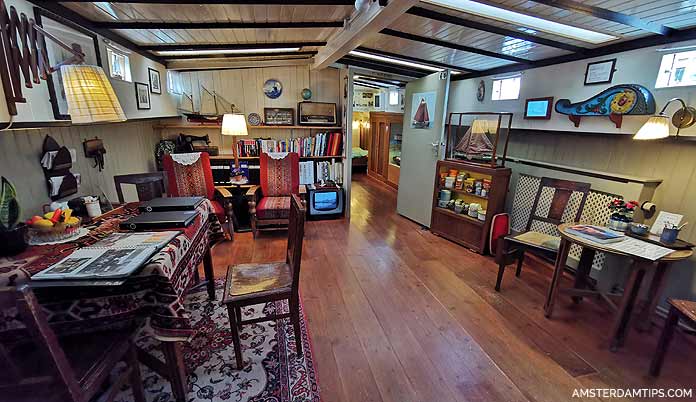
(193, 178)
(269, 203)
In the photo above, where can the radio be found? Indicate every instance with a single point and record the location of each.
(316, 113)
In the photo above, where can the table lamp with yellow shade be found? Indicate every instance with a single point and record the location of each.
(234, 124)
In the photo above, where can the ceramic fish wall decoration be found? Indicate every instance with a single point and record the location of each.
(615, 102)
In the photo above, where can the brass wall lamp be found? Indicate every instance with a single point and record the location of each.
(658, 126)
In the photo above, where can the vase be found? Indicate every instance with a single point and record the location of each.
(13, 242)
(618, 225)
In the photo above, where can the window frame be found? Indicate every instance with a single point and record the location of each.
(666, 82)
(500, 90)
(125, 65)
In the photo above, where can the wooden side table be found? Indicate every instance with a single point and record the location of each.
(626, 301)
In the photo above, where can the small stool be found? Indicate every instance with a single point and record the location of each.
(678, 309)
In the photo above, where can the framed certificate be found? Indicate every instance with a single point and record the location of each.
(600, 72)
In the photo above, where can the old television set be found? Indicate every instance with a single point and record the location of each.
(325, 201)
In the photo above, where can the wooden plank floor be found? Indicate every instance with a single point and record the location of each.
(398, 314)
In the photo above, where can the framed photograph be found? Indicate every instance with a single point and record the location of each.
(538, 108)
(142, 95)
(69, 33)
(600, 72)
(155, 83)
(279, 116)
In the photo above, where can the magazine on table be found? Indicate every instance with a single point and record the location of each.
(116, 256)
(597, 234)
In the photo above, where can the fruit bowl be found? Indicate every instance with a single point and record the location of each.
(54, 226)
(59, 231)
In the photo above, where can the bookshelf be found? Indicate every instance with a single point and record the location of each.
(230, 156)
(217, 126)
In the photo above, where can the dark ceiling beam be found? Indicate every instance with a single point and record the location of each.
(70, 15)
(450, 45)
(235, 2)
(605, 14)
(608, 50)
(412, 59)
(451, 19)
(220, 25)
(215, 46)
(384, 67)
(369, 78)
(240, 55)
(369, 85)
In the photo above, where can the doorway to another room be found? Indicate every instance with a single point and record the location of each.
(377, 127)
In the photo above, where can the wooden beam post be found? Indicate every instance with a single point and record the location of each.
(364, 23)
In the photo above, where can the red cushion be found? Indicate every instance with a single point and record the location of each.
(280, 177)
(219, 211)
(273, 208)
(190, 180)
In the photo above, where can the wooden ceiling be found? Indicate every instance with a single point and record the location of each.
(426, 32)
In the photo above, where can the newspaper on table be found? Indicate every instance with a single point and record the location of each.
(116, 256)
(640, 248)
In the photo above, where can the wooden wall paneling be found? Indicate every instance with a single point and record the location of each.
(130, 149)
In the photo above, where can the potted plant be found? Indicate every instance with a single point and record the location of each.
(12, 231)
(621, 213)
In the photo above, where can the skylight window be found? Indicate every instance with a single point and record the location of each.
(394, 61)
(515, 46)
(677, 70)
(224, 51)
(512, 17)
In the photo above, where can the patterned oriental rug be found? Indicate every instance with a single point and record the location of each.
(272, 373)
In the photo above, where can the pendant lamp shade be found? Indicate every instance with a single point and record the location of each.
(234, 124)
(90, 96)
(655, 128)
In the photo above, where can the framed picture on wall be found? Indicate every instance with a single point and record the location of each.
(142, 96)
(538, 108)
(155, 83)
(600, 72)
(69, 33)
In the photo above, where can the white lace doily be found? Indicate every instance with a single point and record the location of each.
(277, 155)
(186, 159)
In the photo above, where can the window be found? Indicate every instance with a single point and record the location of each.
(174, 82)
(393, 98)
(677, 70)
(506, 88)
(119, 65)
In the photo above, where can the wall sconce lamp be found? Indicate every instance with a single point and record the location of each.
(658, 126)
(88, 91)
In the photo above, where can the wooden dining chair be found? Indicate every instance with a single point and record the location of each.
(678, 310)
(249, 284)
(38, 366)
(557, 201)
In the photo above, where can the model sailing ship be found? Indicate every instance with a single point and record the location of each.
(213, 107)
(476, 143)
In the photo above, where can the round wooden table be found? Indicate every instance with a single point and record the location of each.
(627, 302)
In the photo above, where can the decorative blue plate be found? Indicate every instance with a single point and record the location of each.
(272, 88)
